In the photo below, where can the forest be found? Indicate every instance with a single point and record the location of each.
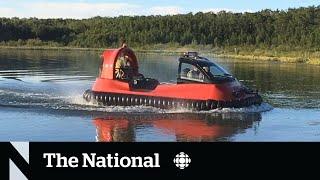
(299, 28)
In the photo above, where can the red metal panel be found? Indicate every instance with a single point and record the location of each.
(183, 91)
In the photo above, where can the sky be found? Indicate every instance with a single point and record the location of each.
(79, 9)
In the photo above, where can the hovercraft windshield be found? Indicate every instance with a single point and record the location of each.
(196, 69)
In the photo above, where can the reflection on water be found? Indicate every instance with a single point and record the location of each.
(42, 90)
(178, 127)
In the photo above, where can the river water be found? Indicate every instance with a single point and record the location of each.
(41, 100)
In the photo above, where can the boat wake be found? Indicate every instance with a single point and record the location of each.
(263, 107)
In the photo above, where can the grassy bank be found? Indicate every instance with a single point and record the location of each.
(281, 54)
(287, 59)
(289, 55)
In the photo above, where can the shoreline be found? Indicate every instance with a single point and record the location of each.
(177, 51)
(284, 59)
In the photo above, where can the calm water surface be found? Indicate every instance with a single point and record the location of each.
(41, 100)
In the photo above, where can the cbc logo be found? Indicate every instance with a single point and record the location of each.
(182, 160)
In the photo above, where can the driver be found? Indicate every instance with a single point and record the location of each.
(206, 69)
(123, 62)
(194, 73)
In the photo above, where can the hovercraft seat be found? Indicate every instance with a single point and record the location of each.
(140, 82)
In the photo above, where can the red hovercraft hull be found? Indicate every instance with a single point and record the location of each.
(198, 96)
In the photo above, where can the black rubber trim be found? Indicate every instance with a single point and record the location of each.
(114, 99)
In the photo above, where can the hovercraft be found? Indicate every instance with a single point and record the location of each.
(201, 85)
